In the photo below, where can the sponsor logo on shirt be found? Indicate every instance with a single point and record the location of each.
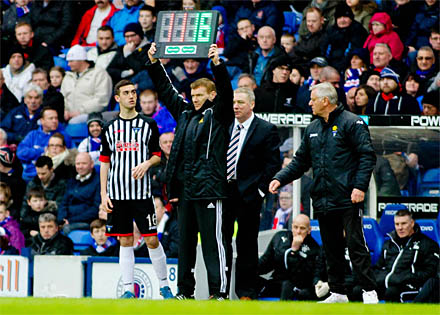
(122, 146)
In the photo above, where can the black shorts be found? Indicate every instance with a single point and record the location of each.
(120, 220)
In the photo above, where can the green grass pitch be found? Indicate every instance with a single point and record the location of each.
(100, 306)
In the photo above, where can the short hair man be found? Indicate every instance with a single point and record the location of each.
(426, 66)
(132, 152)
(35, 142)
(24, 118)
(80, 204)
(147, 19)
(105, 50)
(50, 241)
(196, 169)
(254, 142)
(246, 80)
(95, 17)
(151, 107)
(381, 56)
(408, 259)
(86, 89)
(291, 255)
(351, 155)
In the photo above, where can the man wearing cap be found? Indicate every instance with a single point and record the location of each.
(86, 88)
(303, 95)
(390, 100)
(345, 35)
(18, 72)
(277, 95)
(430, 104)
(92, 143)
(130, 58)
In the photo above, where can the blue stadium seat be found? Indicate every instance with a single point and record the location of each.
(386, 222)
(429, 228)
(374, 238)
(77, 132)
(292, 21)
(81, 239)
(430, 183)
(316, 233)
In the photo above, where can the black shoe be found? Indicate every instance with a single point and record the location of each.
(181, 296)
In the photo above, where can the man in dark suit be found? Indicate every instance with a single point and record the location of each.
(252, 160)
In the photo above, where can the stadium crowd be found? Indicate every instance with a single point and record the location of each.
(60, 61)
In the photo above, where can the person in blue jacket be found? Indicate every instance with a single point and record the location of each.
(129, 14)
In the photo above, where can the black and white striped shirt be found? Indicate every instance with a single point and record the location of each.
(125, 144)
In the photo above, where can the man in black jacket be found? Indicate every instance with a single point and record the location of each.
(338, 147)
(292, 256)
(196, 170)
(408, 259)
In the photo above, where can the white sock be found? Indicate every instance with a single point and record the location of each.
(159, 261)
(126, 262)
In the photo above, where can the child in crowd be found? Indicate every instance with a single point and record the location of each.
(288, 41)
(56, 75)
(16, 238)
(92, 143)
(36, 204)
(282, 215)
(103, 245)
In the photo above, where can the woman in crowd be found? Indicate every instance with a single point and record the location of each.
(364, 94)
(62, 158)
(56, 75)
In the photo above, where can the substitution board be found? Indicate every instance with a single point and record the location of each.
(185, 34)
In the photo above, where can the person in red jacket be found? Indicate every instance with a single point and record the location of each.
(94, 18)
(381, 31)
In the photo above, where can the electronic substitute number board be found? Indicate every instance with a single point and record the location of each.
(185, 34)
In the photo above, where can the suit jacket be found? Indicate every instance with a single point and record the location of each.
(259, 159)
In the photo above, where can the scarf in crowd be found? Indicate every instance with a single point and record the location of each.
(102, 248)
(58, 159)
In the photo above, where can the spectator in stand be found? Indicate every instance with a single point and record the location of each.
(309, 44)
(51, 97)
(327, 9)
(426, 66)
(297, 76)
(102, 245)
(106, 48)
(8, 101)
(10, 175)
(261, 13)
(362, 10)
(401, 13)
(292, 257)
(426, 18)
(431, 104)
(49, 241)
(303, 95)
(24, 118)
(381, 31)
(390, 100)
(358, 61)
(56, 75)
(147, 20)
(34, 51)
(92, 143)
(18, 72)
(86, 88)
(277, 95)
(129, 14)
(36, 204)
(261, 58)
(5, 246)
(413, 85)
(63, 159)
(17, 12)
(54, 185)
(288, 42)
(341, 38)
(408, 259)
(371, 78)
(92, 20)
(130, 58)
(386, 181)
(33, 145)
(349, 96)
(9, 223)
(434, 41)
(150, 107)
(363, 96)
(241, 42)
(188, 5)
(382, 58)
(247, 80)
(222, 29)
(53, 22)
(282, 216)
(80, 205)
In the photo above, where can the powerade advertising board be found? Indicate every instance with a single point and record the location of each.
(185, 34)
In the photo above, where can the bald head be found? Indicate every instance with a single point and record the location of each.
(301, 225)
(83, 164)
(266, 38)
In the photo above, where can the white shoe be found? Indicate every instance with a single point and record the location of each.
(336, 298)
(370, 297)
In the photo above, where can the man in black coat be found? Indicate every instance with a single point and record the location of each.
(196, 170)
(408, 259)
(338, 147)
(253, 159)
(292, 256)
